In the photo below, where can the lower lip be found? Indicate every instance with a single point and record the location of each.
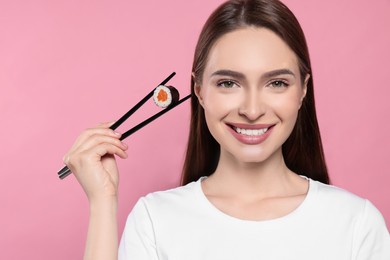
(251, 139)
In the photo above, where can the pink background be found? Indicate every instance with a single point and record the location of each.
(68, 65)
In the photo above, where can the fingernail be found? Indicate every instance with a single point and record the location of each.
(116, 133)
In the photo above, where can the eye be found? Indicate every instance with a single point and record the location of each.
(226, 84)
(278, 84)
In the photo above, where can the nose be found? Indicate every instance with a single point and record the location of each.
(252, 106)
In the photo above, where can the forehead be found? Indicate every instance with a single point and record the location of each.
(251, 49)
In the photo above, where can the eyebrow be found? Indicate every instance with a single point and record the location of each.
(230, 73)
(274, 73)
(241, 76)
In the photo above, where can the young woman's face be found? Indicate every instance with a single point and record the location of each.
(251, 92)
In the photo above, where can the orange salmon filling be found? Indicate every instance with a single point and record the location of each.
(162, 96)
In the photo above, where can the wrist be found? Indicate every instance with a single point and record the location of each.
(103, 204)
(102, 241)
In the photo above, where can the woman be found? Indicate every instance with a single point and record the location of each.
(255, 180)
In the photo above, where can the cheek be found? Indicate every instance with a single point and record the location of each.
(218, 104)
(287, 106)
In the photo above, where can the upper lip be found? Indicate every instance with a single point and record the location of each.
(250, 126)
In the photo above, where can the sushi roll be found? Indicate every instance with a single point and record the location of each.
(163, 96)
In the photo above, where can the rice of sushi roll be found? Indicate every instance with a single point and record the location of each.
(163, 96)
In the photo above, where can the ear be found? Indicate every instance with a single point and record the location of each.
(304, 88)
(197, 90)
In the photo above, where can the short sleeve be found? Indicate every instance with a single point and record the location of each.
(372, 239)
(138, 240)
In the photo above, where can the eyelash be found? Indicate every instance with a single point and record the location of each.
(223, 82)
(283, 83)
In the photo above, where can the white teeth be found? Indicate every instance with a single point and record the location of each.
(251, 132)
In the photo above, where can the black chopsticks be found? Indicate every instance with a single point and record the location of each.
(65, 171)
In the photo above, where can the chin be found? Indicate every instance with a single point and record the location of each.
(251, 158)
(255, 154)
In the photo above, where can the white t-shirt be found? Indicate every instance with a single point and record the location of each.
(181, 224)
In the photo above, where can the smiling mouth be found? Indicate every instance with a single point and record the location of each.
(250, 132)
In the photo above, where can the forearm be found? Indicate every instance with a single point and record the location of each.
(102, 239)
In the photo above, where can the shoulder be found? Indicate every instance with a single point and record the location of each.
(154, 215)
(163, 206)
(174, 195)
(337, 205)
(168, 201)
(340, 204)
(166, 212)
(335, 197)
(371, 239)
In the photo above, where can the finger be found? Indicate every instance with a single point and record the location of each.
(88, 133)
(106, 148)
(97, 139)
(109, 164)
(93, 156)
(90, 149)
(105, 124)
(102, 129)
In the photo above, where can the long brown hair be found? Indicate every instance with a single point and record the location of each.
(302, 151)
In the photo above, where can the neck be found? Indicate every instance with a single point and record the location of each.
(266, 178)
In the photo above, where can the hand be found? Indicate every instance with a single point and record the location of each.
(92, 161)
